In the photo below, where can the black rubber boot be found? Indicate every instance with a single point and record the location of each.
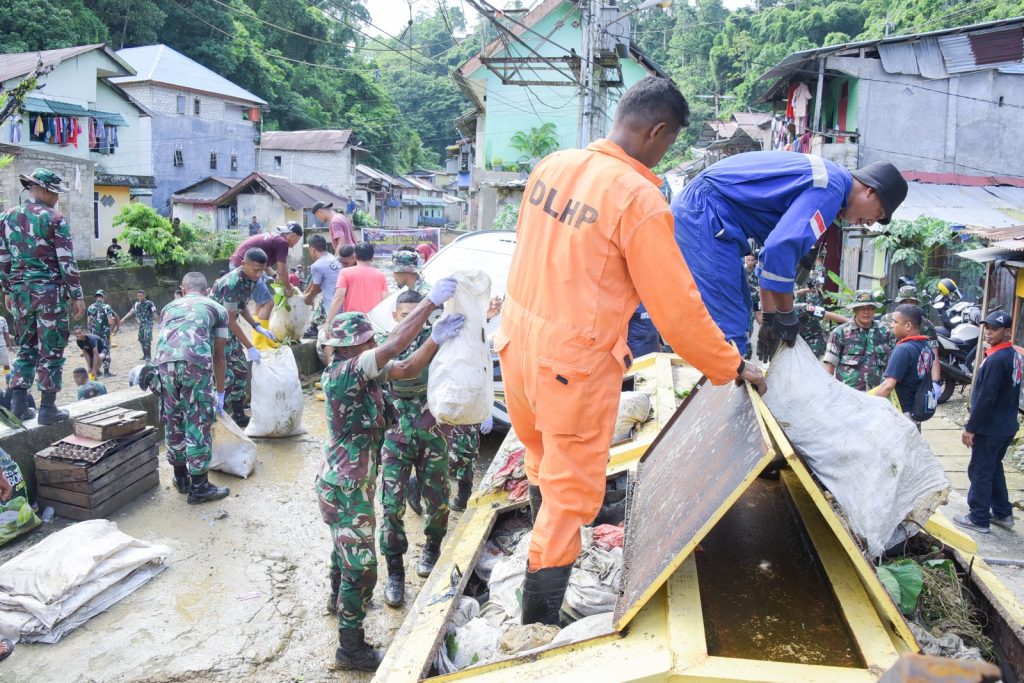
(428, 558)
(182, 481)
(394, 591)
(543, 592)
(354, 653)
(462, 497)
(203, 491)
(19, 405)
(412, 495)
(535, 501)
(49, 413)
(238, 413)
(332, 600)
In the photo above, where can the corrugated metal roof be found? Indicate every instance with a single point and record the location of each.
(929, 58)
(15, 64)
(975, 207)
(982, 49)
(161, 64)
(899, 58)
(985, 254)
(1014, 233)
(296, 196)
(307, 140)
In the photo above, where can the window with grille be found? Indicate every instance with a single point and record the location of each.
(195, 106)
(277, 162)
(179, 158)
(234, 162)
(213, 161)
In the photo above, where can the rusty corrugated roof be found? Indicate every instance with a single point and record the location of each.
(296, 196)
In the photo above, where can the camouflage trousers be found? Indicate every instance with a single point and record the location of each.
(236, 373)
(347, 508)
(41, 332)
(816, 340)
(414, 441)
(188, 411)
(146, 339)
(463, 447)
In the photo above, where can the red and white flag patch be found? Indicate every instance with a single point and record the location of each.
(818, 226)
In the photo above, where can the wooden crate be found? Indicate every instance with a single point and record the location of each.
(54, 471)
(110, 424)
(109, 506)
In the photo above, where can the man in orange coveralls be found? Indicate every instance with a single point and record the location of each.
(595, 236)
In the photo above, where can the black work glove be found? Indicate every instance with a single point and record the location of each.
(766, 341)
(786, 326)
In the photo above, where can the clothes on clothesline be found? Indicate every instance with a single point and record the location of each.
(65, 130)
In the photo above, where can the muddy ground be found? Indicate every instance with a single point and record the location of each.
(244, 595)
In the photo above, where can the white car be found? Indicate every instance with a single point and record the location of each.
(489, 251)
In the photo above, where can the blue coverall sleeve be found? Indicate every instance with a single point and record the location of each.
(794, 235)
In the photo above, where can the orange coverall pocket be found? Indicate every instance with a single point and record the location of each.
(560, 397)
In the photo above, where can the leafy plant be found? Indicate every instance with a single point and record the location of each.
(507, 218)
(923, 245)
(362, 219)
(142, 227)
(538, 142)
(903, 580)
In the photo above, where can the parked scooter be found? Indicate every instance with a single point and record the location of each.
(958, 337)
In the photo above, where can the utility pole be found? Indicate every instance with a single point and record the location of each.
(717, 97)
(590, 10)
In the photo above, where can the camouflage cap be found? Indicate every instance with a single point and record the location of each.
(907, 293)
(349, 329)
(405, 262)
(864, 297)
(100, 292)
(44, 178)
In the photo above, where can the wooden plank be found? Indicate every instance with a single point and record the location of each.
(110, 424)
(113, 504)
(93, 486)
(92, 500)
(55, 471)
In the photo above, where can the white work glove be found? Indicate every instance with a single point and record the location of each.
(220, 401)
(937, 389)
(265, 332)
(442, 290)
(253, 354)
(447, 328)
(487, 425)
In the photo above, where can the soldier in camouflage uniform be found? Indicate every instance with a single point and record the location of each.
(417, 441)
(750, 265)
(406, 271)
(463, 447)
(144, 311)
(357, 417)
(810, 305)
(233, 291)
(38, 275)
(858, 351)
(191, 366)
(103, 322)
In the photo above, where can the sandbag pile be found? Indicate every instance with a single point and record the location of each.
(71, 576)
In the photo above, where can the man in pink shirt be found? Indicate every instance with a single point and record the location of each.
(338, 224)
(360, 287)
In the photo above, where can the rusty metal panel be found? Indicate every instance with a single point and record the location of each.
(700, 464)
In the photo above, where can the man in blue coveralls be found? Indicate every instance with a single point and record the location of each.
(784, 201)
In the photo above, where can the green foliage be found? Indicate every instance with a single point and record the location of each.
(507, 218)
(144, 227)
(362, 219)
(903, 580)
(536, 143)
(924, 245)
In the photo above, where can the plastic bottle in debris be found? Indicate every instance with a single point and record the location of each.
(47, 515)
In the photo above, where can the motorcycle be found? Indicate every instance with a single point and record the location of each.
(958, 336)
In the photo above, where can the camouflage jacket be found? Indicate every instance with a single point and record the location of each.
(91, 389)
(191, 324)
(755, 290)
(927, 329)
(145, 311)
(99, 318)
(35, 246)
(233, 290)
(859, 355)
(412, 388)
(357, 416)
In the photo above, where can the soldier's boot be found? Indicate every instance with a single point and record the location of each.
(412, 495)
(238, 413)
(354, 653)
(182, 481)
(332, 601)
(203, 491)
(543, 592)
(394, 591)
(19, 405)
(428, 558)
(464, 492)
(49, 413)
(535, 501)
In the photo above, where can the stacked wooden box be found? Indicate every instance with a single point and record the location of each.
(111, 458)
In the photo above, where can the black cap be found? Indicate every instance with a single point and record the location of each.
(291, 227)
(321, 205)
(998, 319)
(886, 180)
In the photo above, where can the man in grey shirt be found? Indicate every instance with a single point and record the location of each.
(323, 276)
(254, 227)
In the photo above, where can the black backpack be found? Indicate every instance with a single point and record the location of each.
(925, 402)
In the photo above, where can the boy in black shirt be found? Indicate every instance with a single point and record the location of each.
(93, 350)
(991, 427)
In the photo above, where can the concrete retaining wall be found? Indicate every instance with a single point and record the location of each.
(23, 444)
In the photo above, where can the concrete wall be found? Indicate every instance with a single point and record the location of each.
(159, 283)
(220, 128)
(76, 205)
(133, 155)
(110, 199)
(953, 126)
(333, 170)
